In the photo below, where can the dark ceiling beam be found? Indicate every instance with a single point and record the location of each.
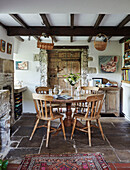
(71, 39)
(17, 18)
(122, 40)
(5, 27)
(47, 24)
(97, 23)
(67, 31)
(36, 38)
(122, 23)
(19, 38)
(71, 47)
(45, 20)
(71, 25)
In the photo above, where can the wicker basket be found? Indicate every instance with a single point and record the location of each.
(45, 46)
(100, 45)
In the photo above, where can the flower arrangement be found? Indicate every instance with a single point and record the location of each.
(72, 78)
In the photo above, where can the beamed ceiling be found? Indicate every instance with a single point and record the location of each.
(70, 27)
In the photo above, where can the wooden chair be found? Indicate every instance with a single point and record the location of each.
(90, 89)
(82, 106)
(42, 90)
(96, 101)
(43, 113)
(45, 90)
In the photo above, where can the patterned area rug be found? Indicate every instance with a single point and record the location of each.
(64, 162)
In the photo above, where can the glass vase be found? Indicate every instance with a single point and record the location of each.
(72, 90)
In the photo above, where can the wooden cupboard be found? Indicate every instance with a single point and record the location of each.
(111, 100)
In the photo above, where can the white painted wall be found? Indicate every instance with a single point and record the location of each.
(126, 99)
(3, 36)
(31, 78)
(113, 48)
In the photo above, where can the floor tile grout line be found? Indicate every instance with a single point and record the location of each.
(113, 124)
(112, 148)
(15, 131)
(41, 144)
(74, 146)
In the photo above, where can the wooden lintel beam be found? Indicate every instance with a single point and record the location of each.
(67, 31)
(97, 23)
(19, 20)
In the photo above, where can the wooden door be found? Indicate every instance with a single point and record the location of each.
(61, 63)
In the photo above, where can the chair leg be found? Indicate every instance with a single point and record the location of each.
(89, 133)
(48, 132)
(34, 129)
(73, 127)
(101, 129)
(63, 128)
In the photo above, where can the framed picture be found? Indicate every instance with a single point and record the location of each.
(2, 46)
(9, 48)
(21, 65)
(97, 81)
(108, 64)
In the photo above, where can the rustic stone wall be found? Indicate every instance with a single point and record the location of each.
(4, 122)
(43, 67)
(7, 81)
(85, 70)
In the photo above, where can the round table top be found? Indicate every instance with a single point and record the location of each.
(81, 98)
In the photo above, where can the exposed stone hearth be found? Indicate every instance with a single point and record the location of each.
(4, 122)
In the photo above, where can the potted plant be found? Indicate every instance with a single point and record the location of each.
(72, 79)
(3, 164)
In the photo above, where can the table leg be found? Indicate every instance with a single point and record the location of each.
(68, 119)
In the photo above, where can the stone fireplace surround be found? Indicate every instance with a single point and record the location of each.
(7, 82)
(6, 104)
(4, 122)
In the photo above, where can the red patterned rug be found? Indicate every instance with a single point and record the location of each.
(64, 162)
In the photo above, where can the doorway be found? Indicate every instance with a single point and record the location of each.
(61, 63)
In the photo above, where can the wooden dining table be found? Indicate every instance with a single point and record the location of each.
(68, 121)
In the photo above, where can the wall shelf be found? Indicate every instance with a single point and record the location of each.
(125, 68)
(125, 81)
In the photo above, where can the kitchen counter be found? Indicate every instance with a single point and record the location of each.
(20, 89)
(109, 88)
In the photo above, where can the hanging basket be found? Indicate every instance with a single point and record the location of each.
(101, 45)
(45, 46)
